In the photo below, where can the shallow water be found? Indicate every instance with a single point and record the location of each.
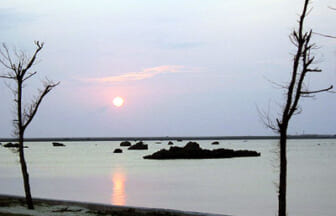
(89, 171)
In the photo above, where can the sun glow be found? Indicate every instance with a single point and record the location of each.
(118, 101)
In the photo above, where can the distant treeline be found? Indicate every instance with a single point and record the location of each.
(179, 138)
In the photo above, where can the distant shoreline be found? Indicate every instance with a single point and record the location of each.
(74, 139)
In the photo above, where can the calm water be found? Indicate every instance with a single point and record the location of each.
(89, 171)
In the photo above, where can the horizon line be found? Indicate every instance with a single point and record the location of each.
(138, 138)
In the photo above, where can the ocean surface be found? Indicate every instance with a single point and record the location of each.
(90, 171)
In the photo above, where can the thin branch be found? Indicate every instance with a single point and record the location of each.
(36, 104)
(29, 76)
(266, 119)
(39, 47)
(317, 91)
(324, 35)
(7, 77)
(7, 55)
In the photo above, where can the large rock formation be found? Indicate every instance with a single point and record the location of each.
(139, 146)
(193, 151)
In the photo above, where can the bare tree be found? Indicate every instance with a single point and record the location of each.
(18, 66)
(303, 62)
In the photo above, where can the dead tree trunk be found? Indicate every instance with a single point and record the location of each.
(283, 173)
(18, 71)
(295, 90)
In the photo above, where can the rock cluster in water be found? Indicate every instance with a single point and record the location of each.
(125, 143)
(193, 151)
(139, 146)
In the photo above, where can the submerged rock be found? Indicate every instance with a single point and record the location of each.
(118, 150)
(13, 145)
(56, 144)
(139, 146)
(215, 143)
(193, 151)
(170, 143)
(125, 143)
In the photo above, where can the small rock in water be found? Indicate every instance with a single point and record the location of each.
(170, 143)
(215, 143)
(56, 144)
(118, 150)
(13, 145)
(125, 143)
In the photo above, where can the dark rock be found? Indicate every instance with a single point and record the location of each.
(215, 143)
(56, 144)
(125, 143)
(193, 151)
(13, 145)
(139, 146)
(170, 143)
(118, 150)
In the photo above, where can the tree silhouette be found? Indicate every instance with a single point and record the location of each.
(18, 66)
(303, 62)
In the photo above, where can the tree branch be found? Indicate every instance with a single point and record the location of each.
(29, 76)
(317, 91)
(30, 63)
(7, 77)
(324, 35)
(34, 107)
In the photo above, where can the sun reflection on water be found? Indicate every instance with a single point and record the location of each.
(118, 196)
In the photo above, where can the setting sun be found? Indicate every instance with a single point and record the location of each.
(118, 101)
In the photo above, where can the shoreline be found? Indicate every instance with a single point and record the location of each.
(95, 208)
(74, 139)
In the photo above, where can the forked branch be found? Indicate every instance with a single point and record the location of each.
(30, 113)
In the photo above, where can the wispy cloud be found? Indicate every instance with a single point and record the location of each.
(144, 74)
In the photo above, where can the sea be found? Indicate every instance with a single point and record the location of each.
(91, 172)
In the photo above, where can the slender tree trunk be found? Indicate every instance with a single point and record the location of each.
(25, 175)
(24, 170)
(283, 172)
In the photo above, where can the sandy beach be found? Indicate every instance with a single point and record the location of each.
(15, 206)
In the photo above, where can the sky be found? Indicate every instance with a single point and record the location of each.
(183, 67)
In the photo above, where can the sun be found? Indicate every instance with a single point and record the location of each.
(118, 101)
